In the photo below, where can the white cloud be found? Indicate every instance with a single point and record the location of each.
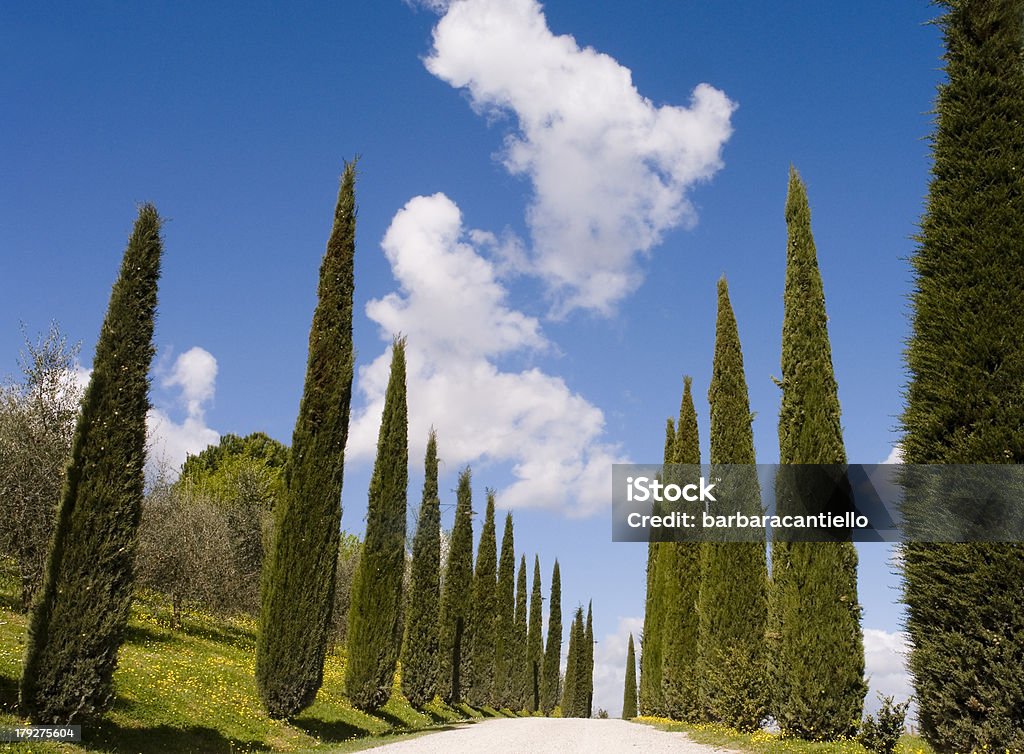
(454, 311)
(895, 455)
(194, 375)
(885, 664)
(610, 170)
(610, 665)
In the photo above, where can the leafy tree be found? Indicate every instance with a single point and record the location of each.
(455, 597)
(535, 641)
(629, 692)
(682, 581)
(553, 647)
(244, 477)
(481, 686)
(374, 617)
(733, 600)
(420, 652)
(574, 688)
(819, 654)
(659, 561)
(505, 606)
(521, 673)
(966, 362)
(298, 583)
(37, 426)
(79, 616)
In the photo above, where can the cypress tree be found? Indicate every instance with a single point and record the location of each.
(733, 602)
(629, 692)
(420, 653)
(659, 560)
(455, 597)
(966, 362)
(505, 620)
(521, 675)
(573, 665)
(374, 618)
(588, 662)
(297, 589)
(679, 679)
(819, 659)
(535, 641)
(480, 690)
(79, 616)
(553, 648)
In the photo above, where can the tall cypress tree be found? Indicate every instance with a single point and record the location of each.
(297, 590)
(819, 659)
(420, 651)
(966, 362)
(553, 648)
(679, 678)
(455, 597)
(659, 560)
(733, 601)
(374, 618)
(521, 675)
(504, 620)
(571, 687)
(588, 659)
(480, 690)
(629, 691)
(535, 641)
(79, 616)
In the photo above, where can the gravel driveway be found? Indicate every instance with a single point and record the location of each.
(527, 735)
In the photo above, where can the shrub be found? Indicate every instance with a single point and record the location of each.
(882, 735)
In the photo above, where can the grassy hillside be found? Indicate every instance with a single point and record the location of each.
(192, 690)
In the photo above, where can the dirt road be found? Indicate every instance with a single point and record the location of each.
(530, 735)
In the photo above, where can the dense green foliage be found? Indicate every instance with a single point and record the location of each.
(520, 666)
(480, 689)
(588, 660)
(682, 582)
(966, 362)
(659, 561)
(629, 691)
(504, 621)
(374, 617)
(574, 701)
(78, 619)
(535, 641)
(818, 646)
(455, 597)
(216, 468)
(549, 680)
(297, 588)
(733, 601)
(420, 648)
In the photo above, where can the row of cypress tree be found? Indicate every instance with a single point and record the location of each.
(722, 640)
(489, 646)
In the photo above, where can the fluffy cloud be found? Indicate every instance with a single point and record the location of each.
(194, 376)
(885, 664)
(895, 455)
(610, 170)
(610, 665)
(454, 311)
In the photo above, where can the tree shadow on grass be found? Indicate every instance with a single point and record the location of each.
(8, 694)
(162, 739)
(332, 731)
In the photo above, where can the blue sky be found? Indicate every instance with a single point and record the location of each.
(547, 196)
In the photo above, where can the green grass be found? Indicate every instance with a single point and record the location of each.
(763, 742)
(192, 690)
